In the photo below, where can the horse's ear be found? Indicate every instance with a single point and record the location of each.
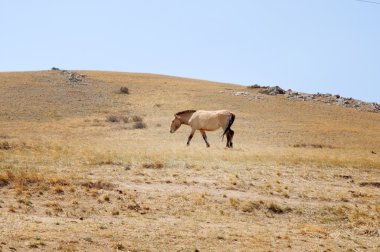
(176, 116)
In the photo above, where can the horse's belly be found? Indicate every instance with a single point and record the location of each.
(210, 126)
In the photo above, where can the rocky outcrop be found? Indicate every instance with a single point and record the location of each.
(73, 77)
(272, 90)
(318, 97)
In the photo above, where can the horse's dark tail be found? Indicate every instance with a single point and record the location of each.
(230, 122)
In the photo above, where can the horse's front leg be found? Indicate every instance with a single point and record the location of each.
(190, 137)
(205, 137)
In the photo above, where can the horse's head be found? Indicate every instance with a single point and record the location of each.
(176, 123)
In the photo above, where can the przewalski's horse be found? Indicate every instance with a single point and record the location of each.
(203, 121)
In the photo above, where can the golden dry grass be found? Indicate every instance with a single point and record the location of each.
(302, 175)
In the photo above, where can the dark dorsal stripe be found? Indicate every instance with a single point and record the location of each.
(185, 111)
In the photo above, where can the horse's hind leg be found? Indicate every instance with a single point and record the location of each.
(190, 137)
(205, 137)
(230, 136)
(228, 139)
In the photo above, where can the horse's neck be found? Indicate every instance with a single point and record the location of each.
(186, 117)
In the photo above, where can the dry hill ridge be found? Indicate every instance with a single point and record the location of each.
(87, 163)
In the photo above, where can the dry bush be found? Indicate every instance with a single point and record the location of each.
(316, 146)
(57, 208)
(235, 203)
(138, 122)
(155, 165)
(125, 119)
(139, 125)
(98, 185)
(249, 206)
(119, 246)
(277, 209)
(115, 212)
(374, 184)
(313, 229)
(137, 118)
(254, 86)
(58, 190)
(5, 145)
(366, 217)
(113, 119)
(124, 90)
(107, 162)
(24, 179)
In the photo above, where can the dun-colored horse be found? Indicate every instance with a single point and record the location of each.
(203, 121)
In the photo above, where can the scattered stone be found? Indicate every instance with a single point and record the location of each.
(334, 99)
(241, 93)
(75, 77)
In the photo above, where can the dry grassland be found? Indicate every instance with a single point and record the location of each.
(85, 167)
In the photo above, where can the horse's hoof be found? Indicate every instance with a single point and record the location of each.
(208, 146)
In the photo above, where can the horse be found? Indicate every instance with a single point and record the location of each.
(203, 121)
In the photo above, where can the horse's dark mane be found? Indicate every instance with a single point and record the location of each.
(185, 111)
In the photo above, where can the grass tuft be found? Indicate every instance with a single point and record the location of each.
(139, 125)
(155, 165)
(98, 185)
(277, 209)
(113, 119)
(5, 145)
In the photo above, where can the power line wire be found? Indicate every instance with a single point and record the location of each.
(372, 2)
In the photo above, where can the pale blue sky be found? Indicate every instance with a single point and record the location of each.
(310, 45)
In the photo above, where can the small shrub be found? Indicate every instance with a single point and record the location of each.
(98, 185)
(55, 206)
(113, 119)
(316, 146)
(115, 212)
(58, 190)
(277, 209)
(87, 239)
(5, 145)
(107, 198)
(124, 90)
(137, 118)
(125, 119)
(155, 165)
(249, 206)
(139, 125)
(254, 86)
(235, 203)
(120, 246)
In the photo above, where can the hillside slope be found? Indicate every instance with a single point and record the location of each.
(301, 176)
